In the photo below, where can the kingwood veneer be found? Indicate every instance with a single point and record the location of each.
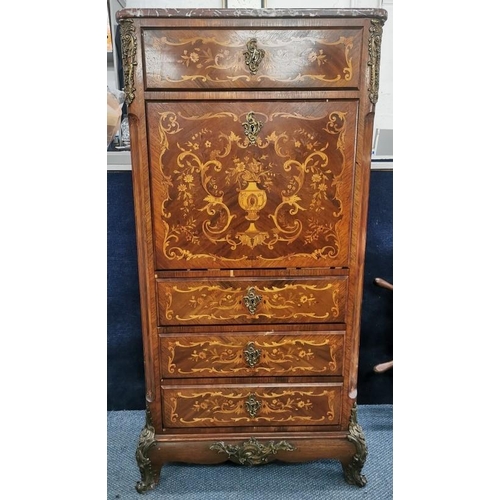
(251, 135)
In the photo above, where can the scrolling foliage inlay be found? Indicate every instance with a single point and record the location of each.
(193, 408)
(242, 200)
(289, 301)
(228, 57)
(218, 357)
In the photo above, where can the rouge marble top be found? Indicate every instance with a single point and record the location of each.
(263, 13)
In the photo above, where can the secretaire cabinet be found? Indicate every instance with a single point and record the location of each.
(251, 134)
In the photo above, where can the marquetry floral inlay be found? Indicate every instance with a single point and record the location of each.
(217, 357)
(223, 58)
(190, 407)
(279, 303)
(293, 177)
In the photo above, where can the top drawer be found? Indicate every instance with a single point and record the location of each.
(245, 59)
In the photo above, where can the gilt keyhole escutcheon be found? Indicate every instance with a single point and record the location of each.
(253, 56)
(251, 355)
(252, 405)
(251, 127)
(252, 300)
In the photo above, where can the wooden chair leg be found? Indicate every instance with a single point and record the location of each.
(383, 284)
(383, 367)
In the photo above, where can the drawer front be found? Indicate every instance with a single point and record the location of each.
(221, 201)
(257, 58)
(252, 355)
(234, 405)
(251, 301)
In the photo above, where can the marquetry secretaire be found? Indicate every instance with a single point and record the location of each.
(251, 134)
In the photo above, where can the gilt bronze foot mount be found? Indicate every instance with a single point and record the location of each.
(150, 474)
(352, 469)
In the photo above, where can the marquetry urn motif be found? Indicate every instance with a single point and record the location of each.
(251, 133)
(211, 187)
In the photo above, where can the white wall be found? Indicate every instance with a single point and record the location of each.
(383, 116)
(384, 112)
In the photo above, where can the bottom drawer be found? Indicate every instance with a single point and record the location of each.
(236, 405)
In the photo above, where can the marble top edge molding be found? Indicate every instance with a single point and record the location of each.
(263, 13)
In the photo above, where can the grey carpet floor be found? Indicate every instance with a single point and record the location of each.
(318, 480)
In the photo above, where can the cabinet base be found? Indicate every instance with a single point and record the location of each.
(256, 449)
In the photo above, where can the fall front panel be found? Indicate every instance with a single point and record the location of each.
(251, 184)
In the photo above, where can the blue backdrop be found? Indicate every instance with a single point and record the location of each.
(125, 361)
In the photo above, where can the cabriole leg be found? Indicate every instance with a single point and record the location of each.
(150, 473)
(352, 468)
